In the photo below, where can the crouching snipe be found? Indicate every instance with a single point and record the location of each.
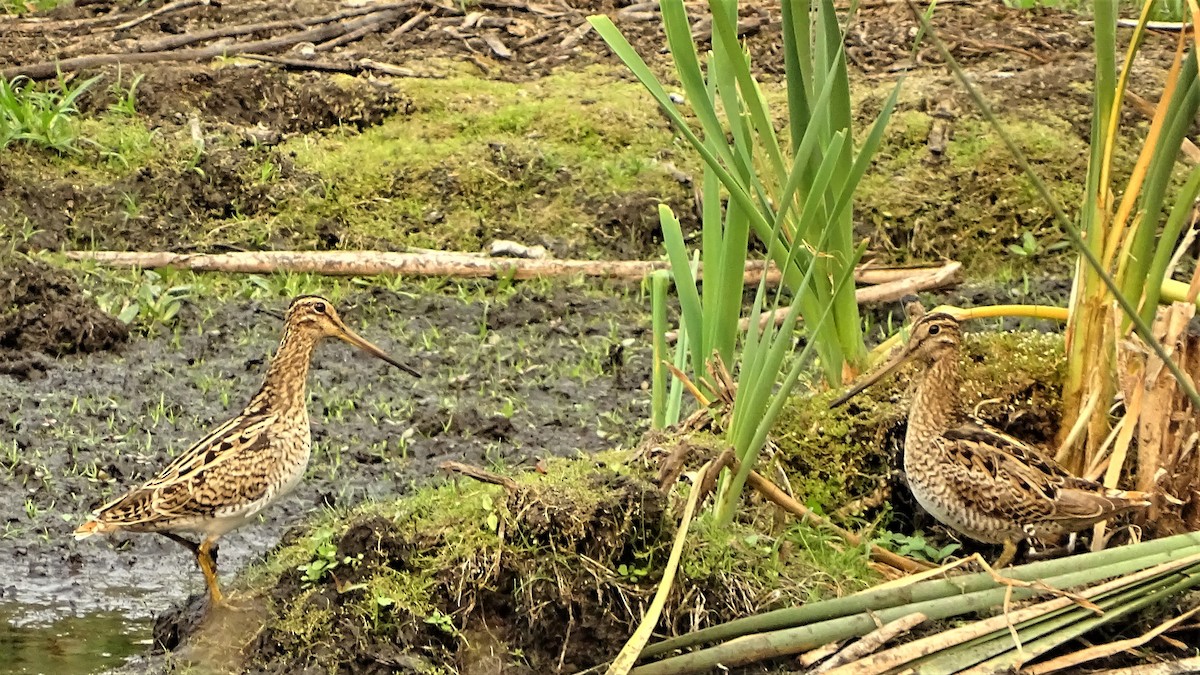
(980, 482)
(244, 465)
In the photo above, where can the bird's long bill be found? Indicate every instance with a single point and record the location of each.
(871, 378)
(362, 343)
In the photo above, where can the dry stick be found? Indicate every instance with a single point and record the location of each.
(50, 68)
(360, 32)
(422, 263)
(871, 642)
(1104, 650)
(394, 70)
(48, 26)
(481, 475)
(1188, 665)
(165, 9)
(176, 41)
(351, 67)
(303, 64)
(412, 23)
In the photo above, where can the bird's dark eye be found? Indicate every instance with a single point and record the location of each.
(934, 330)
(319, 308)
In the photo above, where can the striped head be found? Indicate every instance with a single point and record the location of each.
(931, 336)
(316, 316)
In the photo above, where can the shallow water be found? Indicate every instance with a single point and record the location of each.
(71, 645)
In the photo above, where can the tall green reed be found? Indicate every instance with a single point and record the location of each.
(793, 190)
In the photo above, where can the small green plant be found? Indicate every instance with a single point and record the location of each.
(636, 571)
(1030, 247)
(324, 562)
(126, 97)
(39, 116)
(916, 546)
(19, 7)
(154, 302)
(442, 621)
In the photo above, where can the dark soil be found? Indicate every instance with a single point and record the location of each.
(43, 313)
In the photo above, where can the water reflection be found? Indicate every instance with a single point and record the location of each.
(68, 645)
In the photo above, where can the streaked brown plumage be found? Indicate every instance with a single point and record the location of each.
(242, 466)
(980, 482)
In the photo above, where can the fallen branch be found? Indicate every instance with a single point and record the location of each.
(46, 69)
(428, 263)
(184, 39)
(165, 9)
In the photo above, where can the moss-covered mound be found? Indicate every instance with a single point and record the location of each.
(556, 568)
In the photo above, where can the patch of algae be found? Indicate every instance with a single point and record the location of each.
(837, 456)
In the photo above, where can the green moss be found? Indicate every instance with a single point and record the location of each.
(973, 200)
(477, 158)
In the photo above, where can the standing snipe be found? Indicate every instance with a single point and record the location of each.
(988, 486)
(232, 474)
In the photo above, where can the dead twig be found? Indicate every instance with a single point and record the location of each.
(481, 475)
(361, 31)
(304, 64)
(1101, 651)
(39, 25)
(871, 642)
(46, 69)
(165, 9)
(772, 492)
(182, 40)
(413, 21)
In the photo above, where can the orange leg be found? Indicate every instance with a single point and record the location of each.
(208, 565)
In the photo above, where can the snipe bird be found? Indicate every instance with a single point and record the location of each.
(974, 479)
(242, 466)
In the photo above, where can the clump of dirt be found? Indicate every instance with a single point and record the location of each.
(274, 102)
(44, 312)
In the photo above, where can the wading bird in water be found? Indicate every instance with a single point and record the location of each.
(242, 466)
(976, 480)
